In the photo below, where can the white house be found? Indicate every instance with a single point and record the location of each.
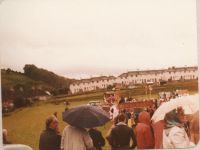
(135, 77)
(95, 83)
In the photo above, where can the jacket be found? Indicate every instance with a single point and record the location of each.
(49, 140)
(120, 137)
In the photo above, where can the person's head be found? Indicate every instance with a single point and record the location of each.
(5, 132)
(144, 117)
(121, 117)
(5, 141)
(171, 119)
(51, 122)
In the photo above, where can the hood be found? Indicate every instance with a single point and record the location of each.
(144, 117)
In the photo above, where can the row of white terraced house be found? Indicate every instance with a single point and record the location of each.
(135, 77)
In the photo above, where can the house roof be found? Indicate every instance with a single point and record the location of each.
(172, 69)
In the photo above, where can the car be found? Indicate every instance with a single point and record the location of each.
(94, 103)
(16, 147)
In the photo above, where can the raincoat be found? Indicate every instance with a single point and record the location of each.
(174, 135)
(158, 133)
(144, 134)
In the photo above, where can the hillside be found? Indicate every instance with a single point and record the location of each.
(33, 82)
(46, 76)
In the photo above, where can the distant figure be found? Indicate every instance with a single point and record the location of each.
(49, 138)
(156, 103)
(55, 114)
(74, 138)
(97, 138)
(131, 121)
(121, 135)
(5, 137)
(122, 100)
(144, 132)
(67, 103)
(66, 108)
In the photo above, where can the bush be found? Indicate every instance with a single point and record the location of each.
(20, 102)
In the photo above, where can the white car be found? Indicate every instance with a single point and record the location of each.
(94, 103)
(16, 147)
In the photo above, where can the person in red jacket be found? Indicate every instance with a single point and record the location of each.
(144, 132)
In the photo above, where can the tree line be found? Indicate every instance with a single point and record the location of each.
(21, 87)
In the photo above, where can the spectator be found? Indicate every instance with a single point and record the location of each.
(121, 135)
(55, 114)
(5, 137)
(74, 138)
(144, 133)
(158, 128)
(131, 121)
(49, 139)
(122, 100)
(174, 135)
(97, 138)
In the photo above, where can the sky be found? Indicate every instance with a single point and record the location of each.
(81, 39)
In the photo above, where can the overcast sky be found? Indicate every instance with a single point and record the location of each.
(83, 38)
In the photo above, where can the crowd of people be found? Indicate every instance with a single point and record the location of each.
(127, 132)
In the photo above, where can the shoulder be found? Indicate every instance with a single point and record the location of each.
(177, 131)
(67, 128)
(47, 132)
(175, 128)
(122, 127)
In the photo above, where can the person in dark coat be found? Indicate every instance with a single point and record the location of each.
(97, 138)
(121, 135)
(49, 138)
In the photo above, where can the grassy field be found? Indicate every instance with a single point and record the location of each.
(25, 125)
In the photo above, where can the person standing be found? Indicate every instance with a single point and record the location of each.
(74, 138)
(174, 134)
(158, 128)
(5, 137)
(49, 139)
(97, 138)
(144, 132)
(121, 135)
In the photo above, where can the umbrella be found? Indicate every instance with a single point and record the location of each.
(86, 116)
(190, 104)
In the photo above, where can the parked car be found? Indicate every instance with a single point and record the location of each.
(94, 103)
(16, 147)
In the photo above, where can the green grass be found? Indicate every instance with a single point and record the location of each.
(25, 125)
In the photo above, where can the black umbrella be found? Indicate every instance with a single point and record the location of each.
(86, 116)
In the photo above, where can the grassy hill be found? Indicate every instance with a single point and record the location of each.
(12, 79)
(33, 82)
